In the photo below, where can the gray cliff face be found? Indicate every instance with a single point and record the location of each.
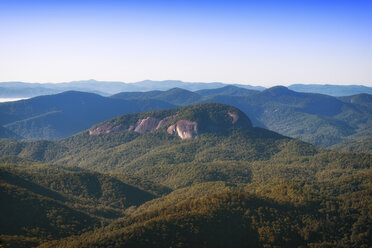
(184, 129)
(106, 128)
(147, 125)
(235, 117)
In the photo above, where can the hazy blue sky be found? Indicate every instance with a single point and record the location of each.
(253, 42)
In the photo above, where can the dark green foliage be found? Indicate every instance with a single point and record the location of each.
(213, 116)
(359, 145)
(48, 202)
(40, 150)
(228, 187)
(25, 212)
(235, 219)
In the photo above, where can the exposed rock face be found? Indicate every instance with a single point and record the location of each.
(184, 129)
(147, 125)
(195, 120)
(165, 121)
(106, 128)
(234, 117)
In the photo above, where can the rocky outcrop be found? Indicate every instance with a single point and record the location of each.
(147, 125)
(184, 129)
(234, 117)
(165, 121)
(107, 128)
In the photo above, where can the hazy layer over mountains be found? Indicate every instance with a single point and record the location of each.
(24, 90)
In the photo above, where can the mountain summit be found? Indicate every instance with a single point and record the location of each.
(185, 123)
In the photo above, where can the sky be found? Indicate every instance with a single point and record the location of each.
(248, 42)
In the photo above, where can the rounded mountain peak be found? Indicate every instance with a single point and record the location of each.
(278, 91)
(186, 122)
(214, 116)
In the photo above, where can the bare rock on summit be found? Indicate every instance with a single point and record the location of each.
(106, 128)
(165, 121)
(184, 129)
(146, 125)
(185, 123)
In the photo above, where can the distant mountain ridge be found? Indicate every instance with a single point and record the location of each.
(106, 88)
(332, 90)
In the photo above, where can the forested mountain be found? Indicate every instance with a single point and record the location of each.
(198, 176)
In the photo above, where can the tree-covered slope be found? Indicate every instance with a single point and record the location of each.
(235, 219)
(6, 133)
(359, 99)
(43, 202)
(30, 210)
(359, 145)
(151, 185)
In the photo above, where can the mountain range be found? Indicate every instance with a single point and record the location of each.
(322, 120)
(106, 88)
(198, 176)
